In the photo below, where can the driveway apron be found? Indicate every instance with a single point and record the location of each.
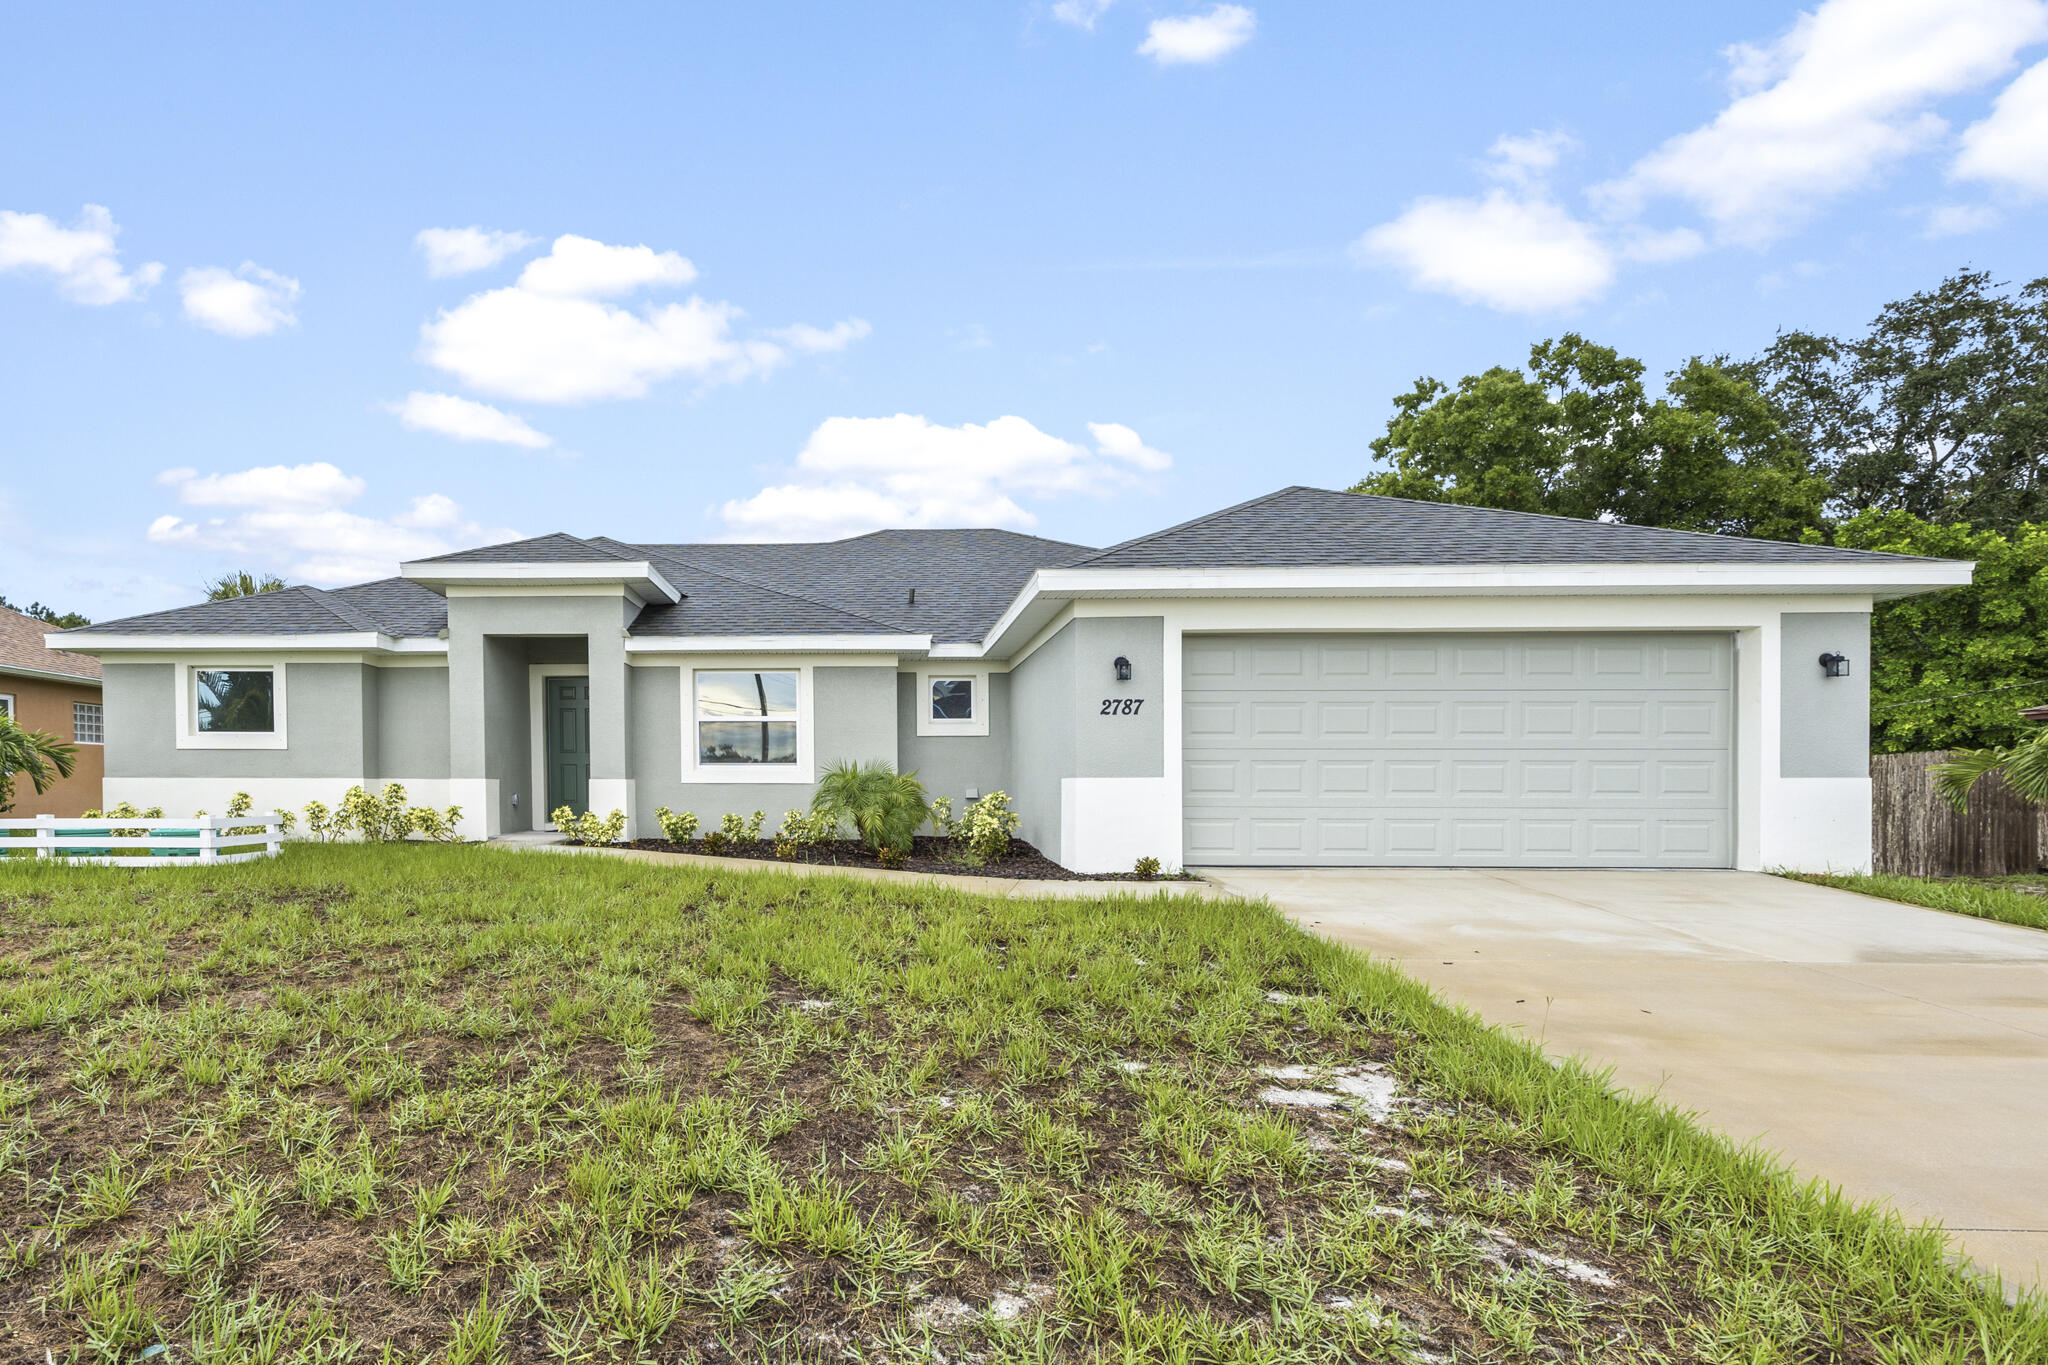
(1898, 1052)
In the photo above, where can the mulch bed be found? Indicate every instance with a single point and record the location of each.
(927, 854)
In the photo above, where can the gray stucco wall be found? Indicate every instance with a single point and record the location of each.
(1057, 726)
(1823, 722)
(325, 726)
(854, 710)
(1042, 739)
(411, 723)
(949, 765)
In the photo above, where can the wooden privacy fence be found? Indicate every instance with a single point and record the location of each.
(129, 842)
(1915, 833)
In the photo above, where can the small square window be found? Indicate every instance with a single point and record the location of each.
(88, 723)
(952, 699)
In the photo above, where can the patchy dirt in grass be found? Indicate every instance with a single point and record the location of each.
(928, 854)
(353, 1105)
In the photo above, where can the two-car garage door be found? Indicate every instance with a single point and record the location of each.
(1531, 750)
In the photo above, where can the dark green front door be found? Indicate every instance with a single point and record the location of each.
(567, 708)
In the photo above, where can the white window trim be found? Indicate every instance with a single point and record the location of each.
(190, 736)
(8, 697)
(928, 726)
(536, 696)
(803, 771)
(102, 709)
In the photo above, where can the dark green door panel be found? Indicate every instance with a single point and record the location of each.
(566, 706)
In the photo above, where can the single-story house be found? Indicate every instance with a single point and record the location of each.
(1308, 678)
(57, 692)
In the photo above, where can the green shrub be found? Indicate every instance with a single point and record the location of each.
(802, 828)
(589, 827)
(892, 857)
(437, 825)
(319, 821)
(677, 829)
(942, 816)
(986, 827)
(1148, 868)
(884, 807)
(753, 825)
(733, 826)
(715, 840)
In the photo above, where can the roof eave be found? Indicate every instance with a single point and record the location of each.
(48, 674)
(354, 642)
(636, 575)
(1882, 579)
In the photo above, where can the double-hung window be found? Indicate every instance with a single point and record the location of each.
(747, 717)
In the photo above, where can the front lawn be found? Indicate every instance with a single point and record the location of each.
(462, 1104)
(2015, 900)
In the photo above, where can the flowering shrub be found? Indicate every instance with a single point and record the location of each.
(677, 829)
(1148, 868)
(589, 827)
(986, 827)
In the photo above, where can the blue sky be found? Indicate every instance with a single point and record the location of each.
(1080, 268)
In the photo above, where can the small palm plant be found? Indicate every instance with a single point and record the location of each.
(41, 758)
(884, 807)
(2024, 766)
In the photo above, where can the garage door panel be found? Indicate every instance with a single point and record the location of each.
(1476, 750)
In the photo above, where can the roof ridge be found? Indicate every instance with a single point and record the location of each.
(731, 577)
(343, 608)
(1189, 525)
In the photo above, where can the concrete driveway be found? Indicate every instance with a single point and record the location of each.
(1900, 1053)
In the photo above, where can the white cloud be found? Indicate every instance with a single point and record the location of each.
(1829, 107)
(459, 251)
(1080, 13)
(466, 420)
(1958, 220)
(804, 337)
(295, 517)
(83, 258)
(1199, 38)
(246, 302)
(577, 267)
(548, 338)
(1527, 159)
(2010, 146)
(860, 473)
(1119, 442)
(1518, 253)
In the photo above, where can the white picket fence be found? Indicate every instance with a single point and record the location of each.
(167, 843)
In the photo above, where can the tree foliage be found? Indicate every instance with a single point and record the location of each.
(62, 620)
(242, 583)
(41, 758)
(1952, 669)
(1939, 409)
(1579, 435)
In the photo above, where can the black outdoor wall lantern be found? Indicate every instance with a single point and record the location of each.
(1834, 665)
(1123, 669)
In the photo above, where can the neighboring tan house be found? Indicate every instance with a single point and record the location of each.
(57, 692)
(1309, 678)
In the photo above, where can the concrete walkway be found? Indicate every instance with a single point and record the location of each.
(1898, 1052)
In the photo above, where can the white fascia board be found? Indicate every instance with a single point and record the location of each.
(778, 644)
(636, 573)
(47, 675)
(1882, 579)
(354, 642)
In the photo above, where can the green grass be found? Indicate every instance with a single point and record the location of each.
(1986, 898)
(463, 1105)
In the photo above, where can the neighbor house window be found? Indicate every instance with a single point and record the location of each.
(6, 706)
(952, 699)
(235, 700)
(747, 717)
(88, 723)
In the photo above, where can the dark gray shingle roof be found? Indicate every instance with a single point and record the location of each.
(557, 548)
(964, 578)
(1317, 527)
(288, 611)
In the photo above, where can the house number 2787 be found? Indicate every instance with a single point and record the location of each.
(1121, 706)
